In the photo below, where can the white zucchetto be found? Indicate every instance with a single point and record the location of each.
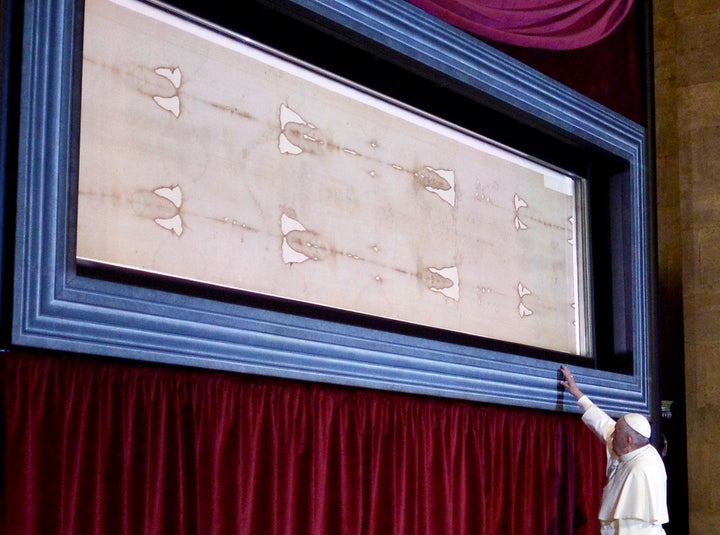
(639, 423)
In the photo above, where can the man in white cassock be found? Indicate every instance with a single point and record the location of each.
(634, 500)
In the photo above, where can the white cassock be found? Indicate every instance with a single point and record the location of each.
(634, 500)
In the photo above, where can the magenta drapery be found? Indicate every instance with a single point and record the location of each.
(551, 24)
(609, 71)
(95, 447)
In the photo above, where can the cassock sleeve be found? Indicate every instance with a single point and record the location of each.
(596, 419)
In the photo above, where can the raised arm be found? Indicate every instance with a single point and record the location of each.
(594, 417)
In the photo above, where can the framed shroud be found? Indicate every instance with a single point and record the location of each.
(71, 297)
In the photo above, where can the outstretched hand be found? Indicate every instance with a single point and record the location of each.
(569, 382)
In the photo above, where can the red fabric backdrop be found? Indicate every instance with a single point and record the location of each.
(97, 447)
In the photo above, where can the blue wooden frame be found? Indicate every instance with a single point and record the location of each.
(55, 307)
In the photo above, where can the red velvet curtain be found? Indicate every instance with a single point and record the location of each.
(107, 447)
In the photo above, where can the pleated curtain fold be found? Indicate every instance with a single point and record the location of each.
(96, 447)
